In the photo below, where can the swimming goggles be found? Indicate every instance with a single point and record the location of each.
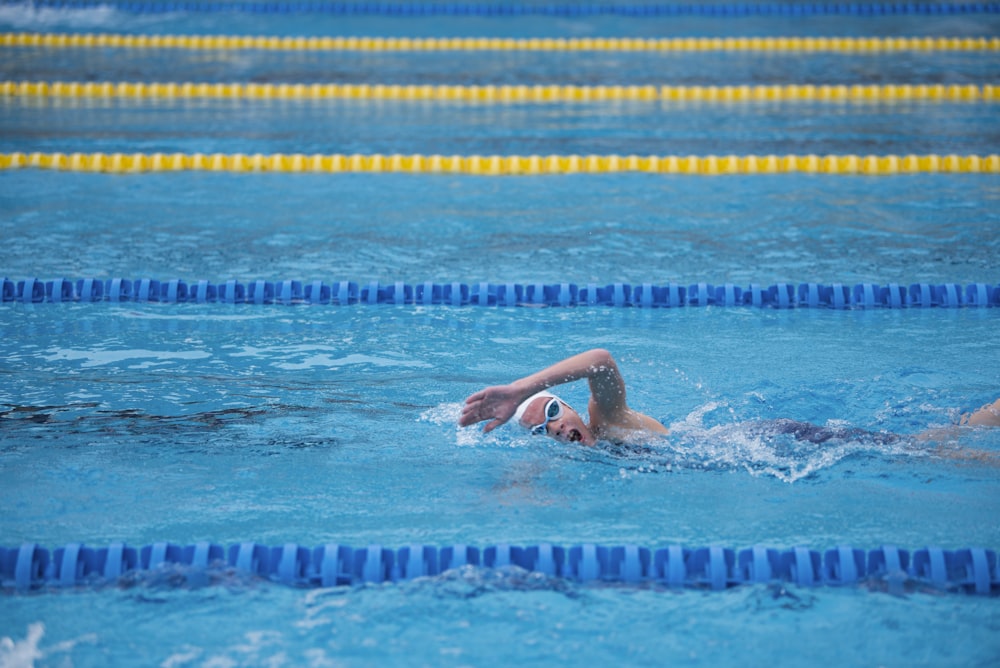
(553, 411)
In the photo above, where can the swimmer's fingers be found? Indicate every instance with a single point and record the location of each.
(475, 410)
(470, 415)
(496, 404)
(501, 415)
(477, 397)
(490, 426)
(485, 406)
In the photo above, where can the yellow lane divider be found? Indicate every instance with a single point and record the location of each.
(230, 42)
(501, 94)
(497, 165)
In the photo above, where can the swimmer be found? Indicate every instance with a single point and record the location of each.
(529, 402)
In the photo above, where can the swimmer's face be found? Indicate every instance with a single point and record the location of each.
(568, 427)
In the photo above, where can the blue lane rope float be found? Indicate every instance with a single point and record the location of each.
(642, 295)
(641, 10)
(972, 570)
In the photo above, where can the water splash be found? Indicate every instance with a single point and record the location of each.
(784, 449)
(24, 653)
(446, 416)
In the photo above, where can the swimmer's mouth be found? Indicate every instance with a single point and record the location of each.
(575, 436)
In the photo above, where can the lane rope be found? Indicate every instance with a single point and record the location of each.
(505, 165)
(865, 45)
(547, 9)
(504, 93)
(971, 570)
(428, 293)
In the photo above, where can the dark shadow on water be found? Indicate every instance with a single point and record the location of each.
(75, 426)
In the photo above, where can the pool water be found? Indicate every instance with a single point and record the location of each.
(328, 424)
(631, 228)
(315, 424)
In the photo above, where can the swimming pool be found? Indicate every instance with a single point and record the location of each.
(320, 424)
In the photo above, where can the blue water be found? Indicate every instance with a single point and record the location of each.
(630, 228)
(22, 17)
(188, 423)
(497, 68)
(524, 129)
(142, 422)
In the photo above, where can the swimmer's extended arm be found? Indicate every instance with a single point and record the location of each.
(986, 416)
(499, 402)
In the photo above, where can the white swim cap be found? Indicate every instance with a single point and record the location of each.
(519, 413)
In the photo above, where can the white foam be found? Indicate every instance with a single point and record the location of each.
(22, 653)
(446, 415)
(442, 414)
(739, 445)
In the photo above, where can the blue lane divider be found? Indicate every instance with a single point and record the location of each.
(971, 570)
(644, 295)
(520, 9)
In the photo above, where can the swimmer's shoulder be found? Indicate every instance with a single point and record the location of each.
(635, 432)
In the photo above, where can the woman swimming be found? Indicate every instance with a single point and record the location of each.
(528, 401)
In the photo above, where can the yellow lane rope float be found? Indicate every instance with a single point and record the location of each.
(232, 42)
(504, 93)
(497, 165)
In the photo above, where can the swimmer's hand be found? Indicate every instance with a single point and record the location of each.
(496, 404)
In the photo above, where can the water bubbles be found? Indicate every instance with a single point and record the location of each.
(785, 449)
(442, 414)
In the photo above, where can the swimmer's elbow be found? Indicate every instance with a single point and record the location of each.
(599, 357)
